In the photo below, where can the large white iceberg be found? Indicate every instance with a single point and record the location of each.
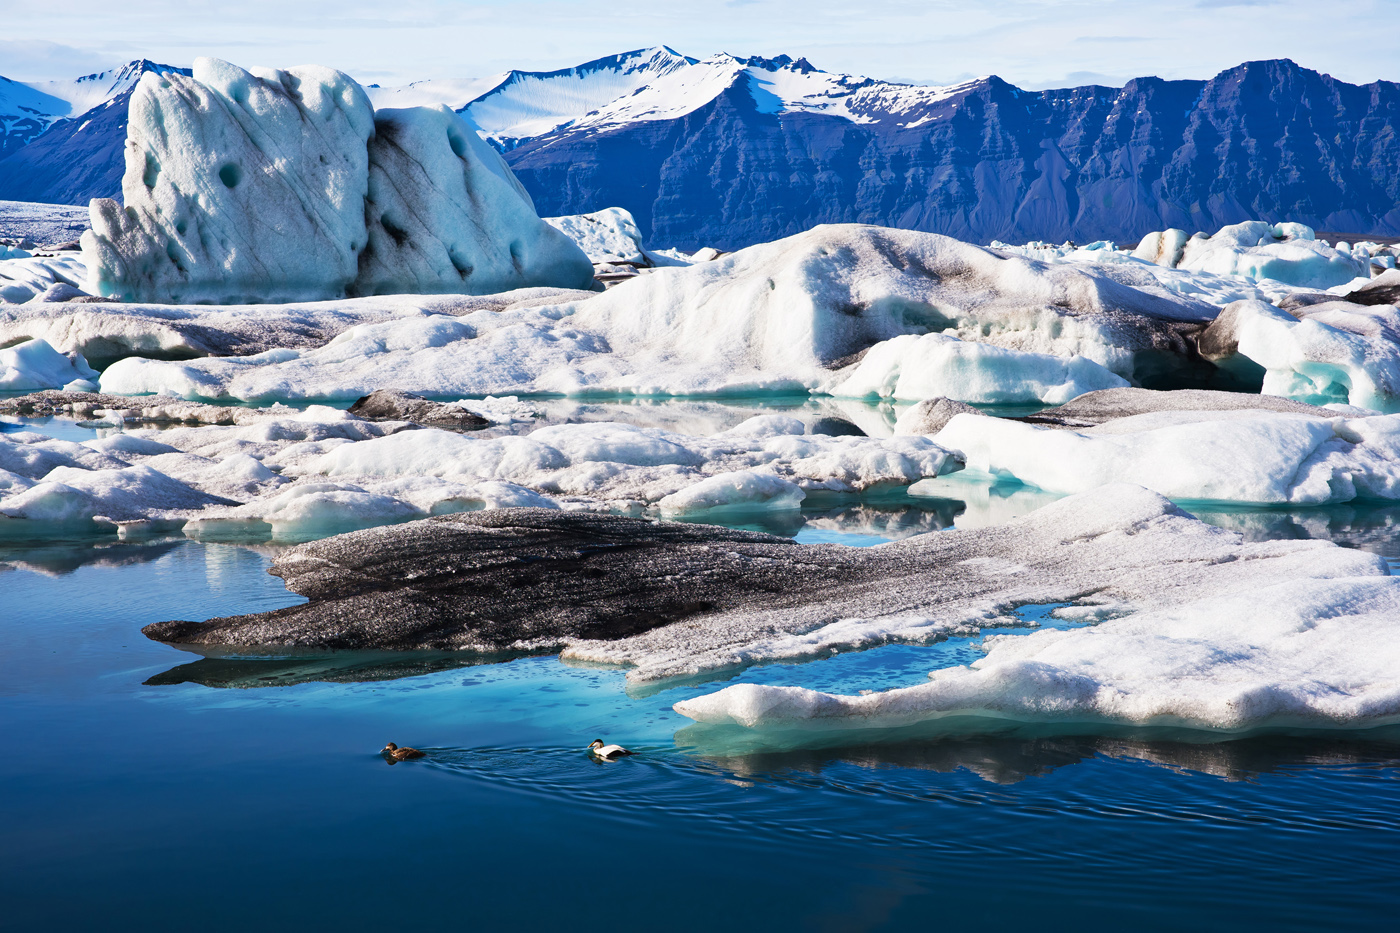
(240, 187)
(274, 186)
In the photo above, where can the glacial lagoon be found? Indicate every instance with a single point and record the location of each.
(144, 781)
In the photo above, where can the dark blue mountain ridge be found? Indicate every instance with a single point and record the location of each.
(1265, 140)
(985, 160)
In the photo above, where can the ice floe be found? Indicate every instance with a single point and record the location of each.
(111, 331)
(306, 472)
(24, 277)
(1293, 653)
(1321, 353)
(34, 364)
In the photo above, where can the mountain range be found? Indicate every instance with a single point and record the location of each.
(730, 151)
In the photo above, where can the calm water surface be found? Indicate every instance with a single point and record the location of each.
(148, 788)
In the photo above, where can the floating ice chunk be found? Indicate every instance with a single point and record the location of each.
(321, 508)
(24, 278)
(36, 365)
(445, 214)
(1162, 249)
(1326, 353)
(70, 495)
(609, 235)
(933, 365)
(1300, 653)
(240, 186)
(744, 490)
(1286, 253)
(1224, 456)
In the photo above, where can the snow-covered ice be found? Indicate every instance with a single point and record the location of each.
(305, 472)
(788, 316)
(35, 364)
(1257, 457)
(1320, 353)
(24, 277)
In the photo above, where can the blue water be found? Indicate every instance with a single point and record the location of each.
(147, 788)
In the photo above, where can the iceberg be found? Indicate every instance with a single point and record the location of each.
(34, 364)
(1319, 353)
(240, 187)
(1288, 253)
(1243, 456)
(284, 185)
(445, 214)
(607, 236)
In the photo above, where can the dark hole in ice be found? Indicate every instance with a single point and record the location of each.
(836, 427)
(399, 235)
(458, 144)
(230, 175)
(152, 171)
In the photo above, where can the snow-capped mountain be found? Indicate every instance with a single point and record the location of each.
(517, 105)
(77, 152)
(777, 85)
(25, 112)
(29, 109)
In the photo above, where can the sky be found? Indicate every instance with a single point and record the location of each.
(1031, 43)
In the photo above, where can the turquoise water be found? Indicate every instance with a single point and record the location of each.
(148, 788)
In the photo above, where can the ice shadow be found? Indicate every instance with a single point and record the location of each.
(339, 667)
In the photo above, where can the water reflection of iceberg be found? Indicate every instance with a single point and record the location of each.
(1009, 759)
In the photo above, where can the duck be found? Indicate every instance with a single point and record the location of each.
(607, 752)
(394, 753)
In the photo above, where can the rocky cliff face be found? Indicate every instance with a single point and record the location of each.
(1265, 140)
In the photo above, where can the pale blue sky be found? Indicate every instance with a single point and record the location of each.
(1033, 43)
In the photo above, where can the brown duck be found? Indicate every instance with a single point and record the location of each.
(394, 753)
